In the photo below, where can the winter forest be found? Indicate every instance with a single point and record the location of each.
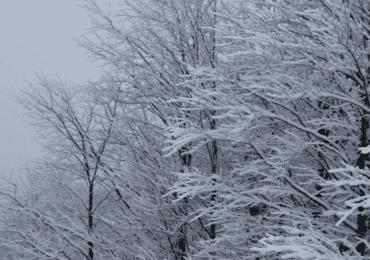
(218, 129)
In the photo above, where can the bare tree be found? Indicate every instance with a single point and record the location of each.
(77, 130)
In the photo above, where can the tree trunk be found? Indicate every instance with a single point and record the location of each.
(91, 220)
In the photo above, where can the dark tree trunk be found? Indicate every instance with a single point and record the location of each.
(91, 220)
(361, 163)
(182, 243)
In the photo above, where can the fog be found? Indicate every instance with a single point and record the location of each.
(36, 37)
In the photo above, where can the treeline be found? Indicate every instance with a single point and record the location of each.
(219, 129)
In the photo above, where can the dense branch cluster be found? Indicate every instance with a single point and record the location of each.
(219, 129)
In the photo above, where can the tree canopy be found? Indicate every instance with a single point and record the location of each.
(218, 129)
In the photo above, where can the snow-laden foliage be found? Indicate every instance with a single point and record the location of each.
(291, 98)
(218, 130)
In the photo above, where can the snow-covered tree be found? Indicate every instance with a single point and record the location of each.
(149, 45)
(291, 97)
(219, 130)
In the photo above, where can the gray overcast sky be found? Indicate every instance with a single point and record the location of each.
(36, 37)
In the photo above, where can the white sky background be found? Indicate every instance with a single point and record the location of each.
(36, 37)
